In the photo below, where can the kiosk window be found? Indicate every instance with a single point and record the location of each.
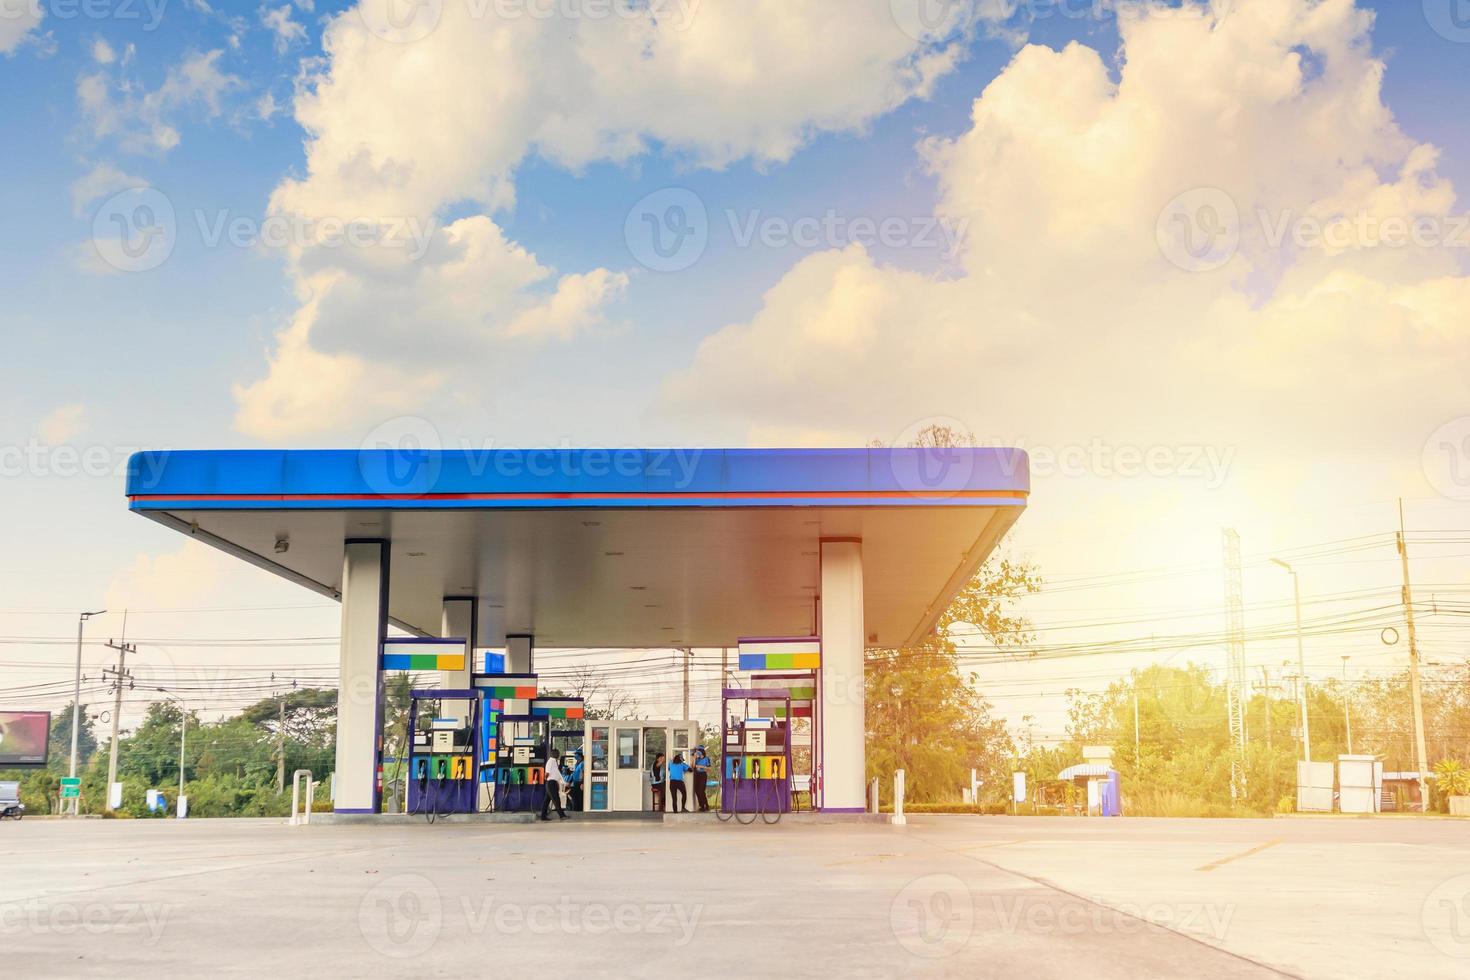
(599, 750)
(627, 749)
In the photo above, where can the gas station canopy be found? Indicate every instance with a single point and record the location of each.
(606, 548)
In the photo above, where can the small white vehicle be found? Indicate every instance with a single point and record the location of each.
(10, 804)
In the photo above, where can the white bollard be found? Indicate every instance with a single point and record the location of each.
(873, 806)
(898, 817)
(296, 793)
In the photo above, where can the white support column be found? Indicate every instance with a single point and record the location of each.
(520, 654)
(459, 620)
(360, 690)
(843, 757)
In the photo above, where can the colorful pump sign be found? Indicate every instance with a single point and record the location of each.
(417, 653)
(781, 653)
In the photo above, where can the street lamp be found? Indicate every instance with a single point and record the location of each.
(76, 697)
(183, 728)
(1301, 660)
(1347, 712)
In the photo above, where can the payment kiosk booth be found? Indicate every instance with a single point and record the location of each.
(619, 755)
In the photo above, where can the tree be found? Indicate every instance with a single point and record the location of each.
(152, 751)
(61, 739)
(925, 718)
(601, 699)
(310, 712)
(924, 715)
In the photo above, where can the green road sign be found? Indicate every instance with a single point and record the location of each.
(71, 787)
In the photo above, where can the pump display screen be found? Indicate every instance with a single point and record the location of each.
(23, 739)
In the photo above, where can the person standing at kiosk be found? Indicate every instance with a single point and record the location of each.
(678, 794)
(701, 779)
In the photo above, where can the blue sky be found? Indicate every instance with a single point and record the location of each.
(102, 358)
(203, 321)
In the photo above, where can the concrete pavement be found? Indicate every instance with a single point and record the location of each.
(962, 896)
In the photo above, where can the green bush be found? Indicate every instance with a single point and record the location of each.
(975, 809)
(1173, 803)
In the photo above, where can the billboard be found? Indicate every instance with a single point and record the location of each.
(24, 737)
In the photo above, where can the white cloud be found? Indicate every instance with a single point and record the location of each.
(63, 424)
(102, 52)
(143, 120)
(102, 180)
(278, 21)
(266, 107)
(18, 18)
(1067, 318)
(306, 391)
(401, 131)
(187, 577)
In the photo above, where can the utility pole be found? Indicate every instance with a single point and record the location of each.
(1137, 741)
(76, 704)
(1301, 660)
(1416, 691)
(1235, 694)
(183, 732)
(1266, 686)
(120, 675)
(688, 655)
(281, 737)
(281, 745)
(1347, 711)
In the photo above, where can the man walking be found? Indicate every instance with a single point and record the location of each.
(555, 782)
